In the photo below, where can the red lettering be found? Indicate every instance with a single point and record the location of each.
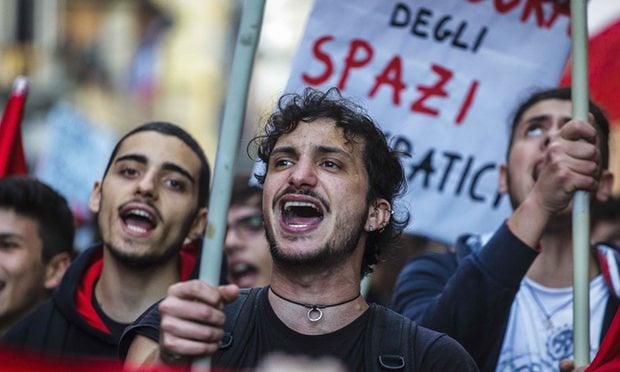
(323, 57)
(436, 90)
(505, 7)
(532, 8)
(467, 102)
(391, 75)
(352, 62)
(558, 10)
(535, 6)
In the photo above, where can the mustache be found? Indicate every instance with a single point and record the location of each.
(302, 191)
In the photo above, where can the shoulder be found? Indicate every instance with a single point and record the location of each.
(396, 335)
(438, 351)
(146, 325)
(35, 325)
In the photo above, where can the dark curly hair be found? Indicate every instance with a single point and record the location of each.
(386, 178)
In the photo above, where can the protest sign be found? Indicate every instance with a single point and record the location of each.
(441, 78)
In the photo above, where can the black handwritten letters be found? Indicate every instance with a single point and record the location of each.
(423, 23)
(449, 172)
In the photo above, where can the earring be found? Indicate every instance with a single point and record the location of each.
(371, 228)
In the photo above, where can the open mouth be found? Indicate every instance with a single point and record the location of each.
(301, 214)
(138, 220)
(2, 284)
(243, 274)
(537, 170)
(241, 269)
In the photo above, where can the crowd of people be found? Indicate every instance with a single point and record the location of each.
(297, 248)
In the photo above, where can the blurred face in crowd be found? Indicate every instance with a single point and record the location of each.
(25, 280)
(147, 203)
(246, 248)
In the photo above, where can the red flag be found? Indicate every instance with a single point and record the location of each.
(607, 357)
(12, 159)
(604, 69)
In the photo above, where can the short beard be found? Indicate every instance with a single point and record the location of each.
(148, 261)
(332, 254)
(136, 262)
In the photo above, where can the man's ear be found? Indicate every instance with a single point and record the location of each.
(55, 269)
(503, 179)
(379, 215)
(199, 225)
(95, 197)
(605, 186)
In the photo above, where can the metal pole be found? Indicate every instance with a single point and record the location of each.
(581, 212)
(228, 144)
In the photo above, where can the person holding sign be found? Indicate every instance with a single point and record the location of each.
(152, 198)
(328, 195)
(507, 298)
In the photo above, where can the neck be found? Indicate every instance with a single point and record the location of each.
(124, 293)
(289, 299)
(554, 265)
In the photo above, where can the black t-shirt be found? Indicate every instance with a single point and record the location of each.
(263, 332)
(270, 334)
(115, 327)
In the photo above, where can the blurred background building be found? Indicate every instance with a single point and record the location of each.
(98, 68)
(123, 62)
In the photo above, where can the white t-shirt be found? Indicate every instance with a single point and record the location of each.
(540, 326)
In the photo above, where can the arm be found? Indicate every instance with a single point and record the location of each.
(470, 300)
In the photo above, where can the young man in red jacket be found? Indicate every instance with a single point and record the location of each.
(152, 197)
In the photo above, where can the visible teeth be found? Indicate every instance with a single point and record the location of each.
(291, 204)
(239, 267)
(136, 229)
(297, 226)
(140, 213)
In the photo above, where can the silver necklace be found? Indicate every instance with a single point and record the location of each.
(548, 314)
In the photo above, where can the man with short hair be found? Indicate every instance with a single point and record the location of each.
(36, 245)
(508, 299)
(152, 197)
(328, 194)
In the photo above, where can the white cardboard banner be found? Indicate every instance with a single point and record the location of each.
(441, 78)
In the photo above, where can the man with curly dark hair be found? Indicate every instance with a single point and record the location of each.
(329, 188)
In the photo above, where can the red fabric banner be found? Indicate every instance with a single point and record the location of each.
(607, 358)
(12, 159)
(604, 70)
